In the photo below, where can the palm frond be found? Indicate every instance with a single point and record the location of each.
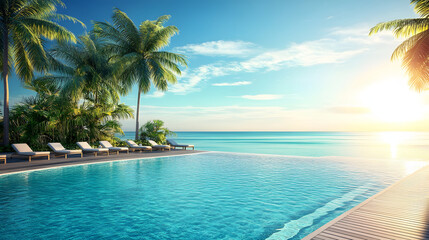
(402, 27)
(421, 7)
(126, 26)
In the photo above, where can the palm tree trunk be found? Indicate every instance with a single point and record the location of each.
(138, 113)
(6, 87)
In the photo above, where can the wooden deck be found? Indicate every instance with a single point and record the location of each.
(399, 212)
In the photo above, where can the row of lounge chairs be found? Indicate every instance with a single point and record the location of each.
(22, 149)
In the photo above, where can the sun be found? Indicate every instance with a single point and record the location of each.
(391, 100)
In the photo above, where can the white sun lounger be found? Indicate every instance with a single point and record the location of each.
(109, 146)
(59, 150)
(86, 148)
(134, 146)
(22, 149)
(156, 146)
(174, 144)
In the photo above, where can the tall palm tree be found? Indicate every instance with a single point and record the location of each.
(24, 26)
(85, 71)
(139, 50)
(414, 51)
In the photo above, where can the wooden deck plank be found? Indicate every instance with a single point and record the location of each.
(342, 236)
(401, 211)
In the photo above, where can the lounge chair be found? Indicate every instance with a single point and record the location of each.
(86, 148)
(156, 146)
(59, 150)
(22, 149)
(134, 146)
(109, 146)
(174, 144)
(3, 158)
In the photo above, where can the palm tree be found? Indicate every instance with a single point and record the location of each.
(85, 71)
(414, 51)
(139, 50)
(24, 26)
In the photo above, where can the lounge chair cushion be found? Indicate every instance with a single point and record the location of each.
(84, 145)
(118, 148)
(69, 151)
(132, 143)
(24, 149)
(33, 153)
(105, 144)
(21, 147)
(174, 144)
(95, 150)
(142, 147)
(87, 148)
(156, 145)
(56, 146)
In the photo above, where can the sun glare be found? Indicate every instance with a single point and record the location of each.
(394, 139)
(392, 101)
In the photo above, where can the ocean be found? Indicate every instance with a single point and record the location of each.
(391, 145)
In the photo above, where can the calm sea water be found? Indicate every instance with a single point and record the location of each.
(399, 145)
(203, 196)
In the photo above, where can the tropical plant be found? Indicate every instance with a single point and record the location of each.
(414, 51)
(24, 27)
(86, 71)
(139, 49)
(52, 116)
(155, 130)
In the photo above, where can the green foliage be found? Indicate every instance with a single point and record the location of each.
(7, 148)
(414, 51)
(52, 117)
(25, 25)
(143, 142)
(155, 130)
(86, 70)
(117, 142)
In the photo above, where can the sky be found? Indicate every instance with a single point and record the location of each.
(273, 65)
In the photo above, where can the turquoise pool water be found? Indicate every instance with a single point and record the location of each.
(201, 196)
(392, 145)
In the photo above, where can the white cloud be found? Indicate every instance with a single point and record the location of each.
(218, 48)
(338, 46)
(360, 36)
(303, 54)
(262, 97)
(156, 94)
(240, 83)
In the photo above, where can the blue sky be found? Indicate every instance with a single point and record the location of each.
(273, 65)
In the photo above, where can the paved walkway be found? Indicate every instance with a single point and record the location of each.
(17, 164)
(399, 212)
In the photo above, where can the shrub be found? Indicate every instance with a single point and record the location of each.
(155, 130)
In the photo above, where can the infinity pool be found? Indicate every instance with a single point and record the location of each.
(201, 196)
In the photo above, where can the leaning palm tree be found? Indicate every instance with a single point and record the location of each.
(24, 26)
(414, 51)
(139, 50)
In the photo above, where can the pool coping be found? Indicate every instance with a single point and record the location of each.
(38, 165)
(315, 233)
